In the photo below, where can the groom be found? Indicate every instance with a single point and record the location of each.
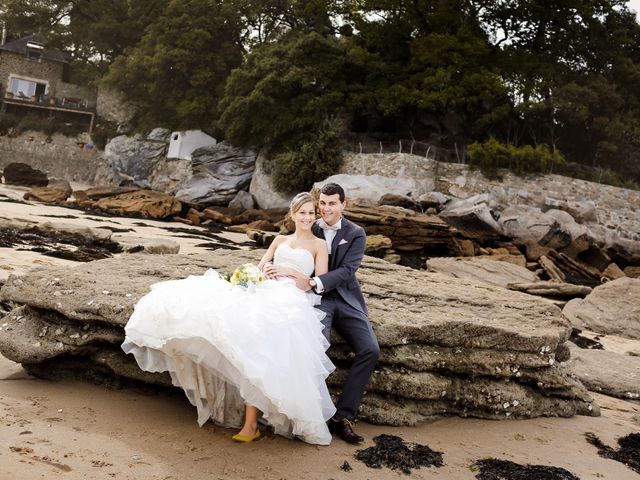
(344, 305)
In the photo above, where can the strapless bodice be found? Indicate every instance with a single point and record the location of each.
(298, 258)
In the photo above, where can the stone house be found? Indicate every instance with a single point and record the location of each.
(34, 79)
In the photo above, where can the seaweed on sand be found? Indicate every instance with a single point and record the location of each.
(393, 452)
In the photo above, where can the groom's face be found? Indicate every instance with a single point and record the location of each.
(331, 207)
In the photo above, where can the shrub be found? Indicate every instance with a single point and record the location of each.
(36, 123)
(491, 155)
(312, 159)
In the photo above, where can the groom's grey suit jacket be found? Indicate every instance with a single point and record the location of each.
(347, 251)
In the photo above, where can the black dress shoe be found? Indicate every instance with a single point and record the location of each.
(344, 429)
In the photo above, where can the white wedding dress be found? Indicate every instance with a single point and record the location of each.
(227, 345)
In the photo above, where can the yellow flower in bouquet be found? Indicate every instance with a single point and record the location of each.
(246, 275)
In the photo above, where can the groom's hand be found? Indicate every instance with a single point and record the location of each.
(303, 284)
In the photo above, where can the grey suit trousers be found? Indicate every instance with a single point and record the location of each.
(353, 325)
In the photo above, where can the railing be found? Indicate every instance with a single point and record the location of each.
(44, 100)
(412, 147)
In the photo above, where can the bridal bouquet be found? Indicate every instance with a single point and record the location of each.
(246, 275)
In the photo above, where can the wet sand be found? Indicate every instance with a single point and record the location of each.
(76, 430)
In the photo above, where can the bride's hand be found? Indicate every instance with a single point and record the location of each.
(280, 271)
(269, 270)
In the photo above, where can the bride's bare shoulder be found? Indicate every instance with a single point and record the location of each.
(319, 244)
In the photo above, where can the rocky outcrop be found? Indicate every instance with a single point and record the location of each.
(24, 175)
(135, 158)
(611, 308)
(261, 187)
(219, 172)
(143, 203)
(481, 270)
(607, 372)
(369, 189)
(408, 230)
(56, 191)
(448, 346)
(473, 222)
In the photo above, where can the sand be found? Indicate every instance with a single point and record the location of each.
(74, 430)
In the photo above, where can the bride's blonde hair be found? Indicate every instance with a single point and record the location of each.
(299, 200)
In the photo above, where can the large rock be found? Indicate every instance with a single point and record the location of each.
(368, 189)
(24, 175)
(143, 203)
(134, 157)
(408, 230)
(482, 270)
(607, 372)
(241, 202)
(473, 222)
(261, 187)
(612, 308)
(529, 224)
(465, 348)
(219, 172)
(56, 191)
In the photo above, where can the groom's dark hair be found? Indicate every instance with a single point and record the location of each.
(332, 189)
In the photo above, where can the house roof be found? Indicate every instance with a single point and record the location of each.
(20, 46)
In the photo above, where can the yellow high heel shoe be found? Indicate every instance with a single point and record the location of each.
(245, 438)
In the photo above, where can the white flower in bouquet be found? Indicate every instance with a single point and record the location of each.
(246, 275)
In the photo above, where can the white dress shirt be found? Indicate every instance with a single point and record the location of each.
(330, 232)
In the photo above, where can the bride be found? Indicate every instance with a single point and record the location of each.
(231, 348)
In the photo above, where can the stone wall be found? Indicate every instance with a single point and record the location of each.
(62, 157)
(618, 209)
(18, 65)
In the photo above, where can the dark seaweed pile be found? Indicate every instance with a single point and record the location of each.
(56, 244)
(628, 453)
(494, 469)
(584, 342)
(393, 452)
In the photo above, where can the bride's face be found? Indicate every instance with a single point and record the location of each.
(305, 216)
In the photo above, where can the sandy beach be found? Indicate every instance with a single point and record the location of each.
(75, 430)
(70, 429)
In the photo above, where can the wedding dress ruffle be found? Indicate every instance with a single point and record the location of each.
(227, 345)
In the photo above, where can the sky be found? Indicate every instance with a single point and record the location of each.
(635, 5)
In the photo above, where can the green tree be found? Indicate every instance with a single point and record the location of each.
(176, 74)
(284, 90)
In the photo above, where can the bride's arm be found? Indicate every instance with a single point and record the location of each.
(268, 256)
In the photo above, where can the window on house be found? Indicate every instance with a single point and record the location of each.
(22, 88)
(34, 55)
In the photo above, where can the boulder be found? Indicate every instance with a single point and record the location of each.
(160, 134)
(219, 172)
(134, 158)
(368, 189)
(435, 200)
(241, 202)
(377, 243)
(562, 268)
(57, 191)
(24, 175)
(481, 270)
(582, 211)
(612, 272)
(448, 346)
(143, 203)
(261, 186)
(632, 272)
(606, 372)
(409, 231)
(551, 289)
(611, 308)
(473, 222)
(96, 193)
(529, 224)
(396, 200)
